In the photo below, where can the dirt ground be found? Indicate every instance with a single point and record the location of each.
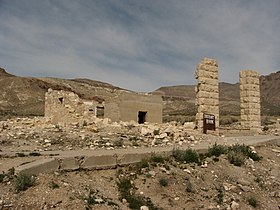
(168, 184)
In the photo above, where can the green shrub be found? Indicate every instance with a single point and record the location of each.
(54, 185)
(216, 150)
(188, 156)
(253, 202)
(20, 154)
(157, 159)
(118, 143)
(190, 187)
(236, 158)
(23, 182)
(2, 176)
(191, 156)
(163, 182)
(11, 172)
(34, 154)
(142, 164)
(126, 190)
(220, 196)
(246, 150)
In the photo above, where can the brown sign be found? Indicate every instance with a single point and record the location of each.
(208, 122)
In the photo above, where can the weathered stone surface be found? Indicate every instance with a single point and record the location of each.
(39, 166)
(69, 164)
(207, 92)
(104, 161)
(127, 159)
(250, 100)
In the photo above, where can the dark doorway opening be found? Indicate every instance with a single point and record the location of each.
(142, 117)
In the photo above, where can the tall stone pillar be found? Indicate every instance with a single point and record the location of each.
(250, 100)
(207, 92)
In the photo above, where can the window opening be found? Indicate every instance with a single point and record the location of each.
(100, 112)
(61, 100)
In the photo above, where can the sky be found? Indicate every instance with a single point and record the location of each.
(139, 45)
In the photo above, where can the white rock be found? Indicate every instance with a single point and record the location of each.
(162, 135)
(234, 205)
(192, 138)
(187, 170)
(144, 208)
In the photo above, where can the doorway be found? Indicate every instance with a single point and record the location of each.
(142, 117)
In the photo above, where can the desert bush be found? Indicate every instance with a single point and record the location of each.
(34, 154)
(2, 176)
(253, 202)
(126, 190)
(228, 120)
(236, 158)
(188, 156)
(53, 185)
(163, 182)
(23, 182)
(220, 196)
(190, 187)
(246, 150)
(216, 150)
(118, 143)
(157, 159)
(142, 164)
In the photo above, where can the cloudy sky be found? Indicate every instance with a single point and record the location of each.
(138, 44)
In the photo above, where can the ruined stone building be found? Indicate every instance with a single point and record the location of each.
(67, 107)
(137, 107)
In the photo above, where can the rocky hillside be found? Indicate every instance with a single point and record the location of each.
(24, 96)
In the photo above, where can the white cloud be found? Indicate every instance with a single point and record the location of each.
(139, 45)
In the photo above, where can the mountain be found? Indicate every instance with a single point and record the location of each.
(179, 100)
(24, 96)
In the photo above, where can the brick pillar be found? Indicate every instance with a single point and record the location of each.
(207, 92)
(250, 100)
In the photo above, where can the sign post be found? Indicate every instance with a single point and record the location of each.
(208, 122)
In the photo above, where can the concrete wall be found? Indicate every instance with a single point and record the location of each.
(207, 92)
(127, 106)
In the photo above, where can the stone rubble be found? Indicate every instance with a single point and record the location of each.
(39, 134)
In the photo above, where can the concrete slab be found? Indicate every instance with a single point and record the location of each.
(100, 162)
(39, 166)
(126, 159)
(69, 164)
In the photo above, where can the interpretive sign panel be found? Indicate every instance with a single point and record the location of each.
(208, 122)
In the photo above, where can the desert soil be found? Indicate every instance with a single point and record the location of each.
(215, 185)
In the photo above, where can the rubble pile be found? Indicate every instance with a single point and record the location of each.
(39, 134)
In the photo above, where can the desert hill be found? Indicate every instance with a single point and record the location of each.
(24, 96)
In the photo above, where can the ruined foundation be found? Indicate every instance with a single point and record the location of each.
(250, 100)
(207, 93)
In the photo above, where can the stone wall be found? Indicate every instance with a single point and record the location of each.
(250, 100)
(126, 107)
(67, 108)
(207, 92)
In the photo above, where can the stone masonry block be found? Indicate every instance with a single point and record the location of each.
(104, 161)
(39, 166)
